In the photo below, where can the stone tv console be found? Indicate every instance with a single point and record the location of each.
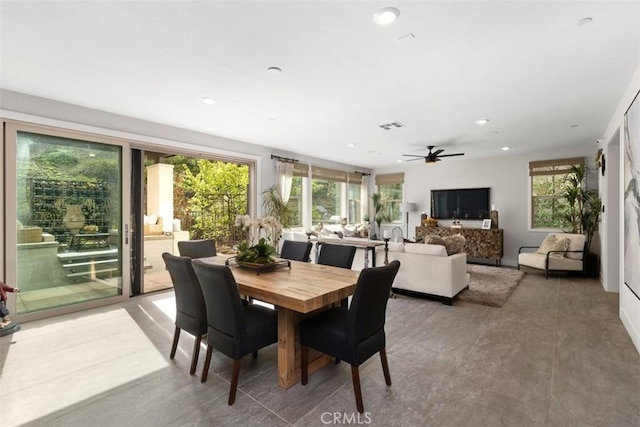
(481, 243)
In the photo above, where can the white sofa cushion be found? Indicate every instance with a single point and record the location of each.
(425, 249)
(536, 260)
(396, 247)
(553, 243)
(576, 243)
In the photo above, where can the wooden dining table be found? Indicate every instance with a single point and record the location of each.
(296, 293)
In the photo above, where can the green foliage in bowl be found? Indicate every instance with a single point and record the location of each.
(260, 253)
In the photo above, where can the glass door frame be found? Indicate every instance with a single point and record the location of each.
(9, 233)
(193, 151)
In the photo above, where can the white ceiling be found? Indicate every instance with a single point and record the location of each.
(527, 66)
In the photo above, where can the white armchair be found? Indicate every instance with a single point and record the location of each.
(555, 254)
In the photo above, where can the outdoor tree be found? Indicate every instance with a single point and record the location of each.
(218, 193)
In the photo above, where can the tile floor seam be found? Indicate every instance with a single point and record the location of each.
(124, 356)
(266, 407)
(322, 401)
(555, 352)
(35, 355)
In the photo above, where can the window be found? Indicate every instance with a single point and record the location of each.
(327, 195)
(355, 195)
(549, 208)
(391, 189)
(295, 201)
(355, 204)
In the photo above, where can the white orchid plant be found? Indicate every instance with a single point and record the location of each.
(266, 227)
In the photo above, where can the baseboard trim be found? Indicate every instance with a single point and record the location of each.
(631, 330)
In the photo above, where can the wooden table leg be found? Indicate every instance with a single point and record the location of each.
(289, 372)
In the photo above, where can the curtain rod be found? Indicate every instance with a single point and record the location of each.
(362, 173)
(284, 159)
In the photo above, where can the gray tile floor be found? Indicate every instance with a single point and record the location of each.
(555, 355)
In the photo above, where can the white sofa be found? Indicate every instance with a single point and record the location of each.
(424, 269)
(427, 270)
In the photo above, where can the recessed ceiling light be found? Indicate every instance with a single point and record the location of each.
(274, 70)
(482, 121)
(386, 15)
(208, 100)
(506, 148)
(351, 145)
(584, 21)
(399, 161)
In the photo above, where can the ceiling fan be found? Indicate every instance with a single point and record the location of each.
(432, 157)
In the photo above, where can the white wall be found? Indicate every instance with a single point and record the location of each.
(610, 225)
(508, 177)
(176, 138)
(629, 303)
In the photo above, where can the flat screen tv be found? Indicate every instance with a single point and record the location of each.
(463, 203)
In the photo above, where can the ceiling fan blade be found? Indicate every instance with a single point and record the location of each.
(435, 153)
(451, 155)
(411, 160)
(412, 155)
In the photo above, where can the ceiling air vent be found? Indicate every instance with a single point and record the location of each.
(388, 126)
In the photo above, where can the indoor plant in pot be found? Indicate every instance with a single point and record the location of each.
(379, 215)
(585, 207)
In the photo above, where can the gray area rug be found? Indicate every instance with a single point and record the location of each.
(490, 285)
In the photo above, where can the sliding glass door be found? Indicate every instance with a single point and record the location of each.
(68, 218)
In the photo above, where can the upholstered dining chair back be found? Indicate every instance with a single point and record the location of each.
(191, 312)
(354, 334)
(197, 248)
(233, 328)
(225, 314)
(337, 255)
(296, 251)
(369, 302)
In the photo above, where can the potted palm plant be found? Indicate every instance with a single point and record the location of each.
(274, 206)
(585, 207)
(379, 214)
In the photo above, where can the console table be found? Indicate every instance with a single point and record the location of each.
(367, 245)
(481, 243)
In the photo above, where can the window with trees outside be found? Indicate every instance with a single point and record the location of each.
(549, 206)
(391, 189)
(355, 203)
(295, 201)
(327, 195)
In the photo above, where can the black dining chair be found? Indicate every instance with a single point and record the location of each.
(296, 251)
(197, 248)
(233, 329)
(337, 256)
(191, 314)
(354, 334)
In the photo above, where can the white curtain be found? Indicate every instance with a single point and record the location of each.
(284, 171)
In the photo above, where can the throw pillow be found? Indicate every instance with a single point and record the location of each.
(433, 240)
(552, 243)
(454, 244)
